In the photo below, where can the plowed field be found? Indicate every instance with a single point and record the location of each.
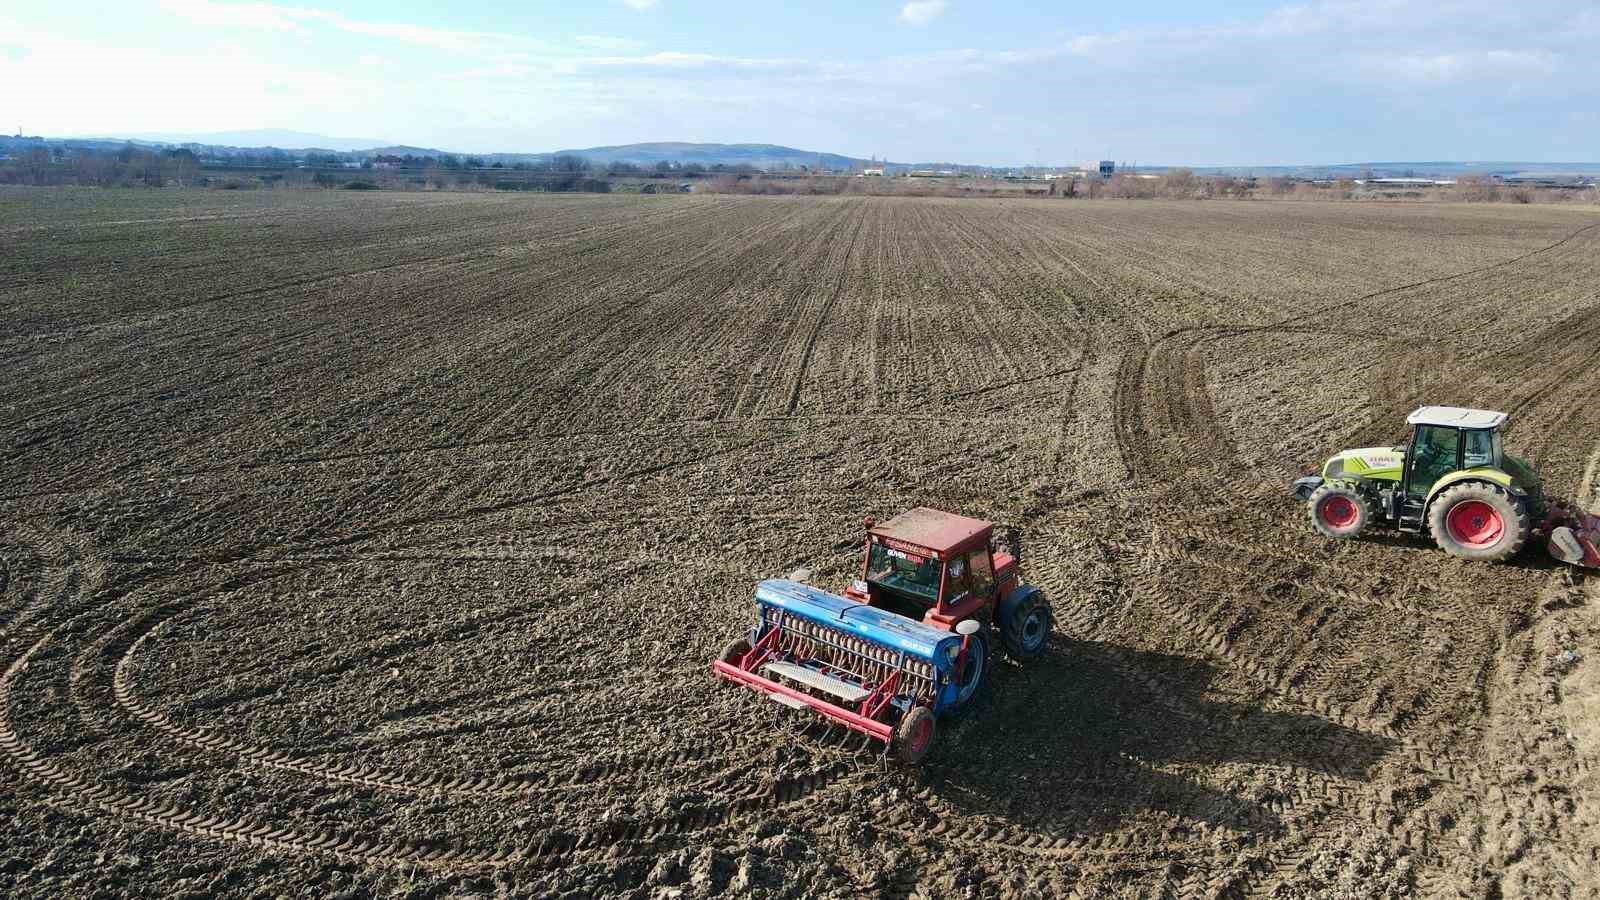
(379, 544)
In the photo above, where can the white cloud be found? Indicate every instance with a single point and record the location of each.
(606, 42)
(1463, 66)
(422, 35)
(692, 60)
(101, 89)
(270, 17)
(264, 16)
(921, 12)
(1311, 80)
(506, 68)
(640, 4)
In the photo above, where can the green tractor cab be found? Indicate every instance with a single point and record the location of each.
(1453, 479)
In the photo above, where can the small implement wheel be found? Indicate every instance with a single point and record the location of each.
(735, 651)
(1338, 510)
(1478, 520)
(1027, 630)
(914, 735)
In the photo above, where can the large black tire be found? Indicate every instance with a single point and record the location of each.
(1339, 510)
(1026, 631)
(975, 676)
(1478, 520)
(735, 651)
(914, 735)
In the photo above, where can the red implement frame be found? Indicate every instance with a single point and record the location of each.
(863, 719)
(1585, 530)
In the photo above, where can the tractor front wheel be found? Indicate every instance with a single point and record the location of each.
(1027, 628)
(1339, 510)
(974, 674)
(1478, 520)
(914, 735)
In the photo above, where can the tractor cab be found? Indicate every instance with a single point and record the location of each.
(934, 566)
(1444, 440)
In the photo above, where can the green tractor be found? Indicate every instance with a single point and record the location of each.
(1453, 480)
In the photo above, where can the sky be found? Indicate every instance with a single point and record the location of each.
(1161, 82)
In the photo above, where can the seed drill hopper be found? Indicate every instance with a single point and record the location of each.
(910, 641)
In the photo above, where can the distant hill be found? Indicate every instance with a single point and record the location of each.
(1420, 169)
(762, 156)
(405, 150)
(265, 137)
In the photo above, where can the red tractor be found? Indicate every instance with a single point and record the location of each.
(910, 640)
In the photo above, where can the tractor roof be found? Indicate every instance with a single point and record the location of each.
(1457, 417)
(931, 528)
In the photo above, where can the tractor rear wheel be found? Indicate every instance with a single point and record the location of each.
(735, 651)
(1339, 510)
(1478, 520)
(914, 735)
(1027, 629)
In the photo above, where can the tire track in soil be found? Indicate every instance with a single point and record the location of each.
(79, 795)
(1479, 270)
(1185, 433)
(1208, 637)
(810, 345)
(1462, 775)
(1215, 639)
(1333, 802)
(1311, 803)
(147, 626)
(1133, 430)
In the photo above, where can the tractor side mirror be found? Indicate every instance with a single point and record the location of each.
(968, 627)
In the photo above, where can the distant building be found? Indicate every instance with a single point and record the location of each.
(1404, 182)
(877, 170)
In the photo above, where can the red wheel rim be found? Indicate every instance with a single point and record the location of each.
(1338, 512)
(1475, 524)
(920, 734)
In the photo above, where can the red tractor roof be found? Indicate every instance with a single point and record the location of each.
(939, 531)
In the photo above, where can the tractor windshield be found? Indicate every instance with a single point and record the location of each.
(907, 573)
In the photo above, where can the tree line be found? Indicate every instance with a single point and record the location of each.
(128, 167)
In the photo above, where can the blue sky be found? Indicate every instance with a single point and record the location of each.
(1159, 82)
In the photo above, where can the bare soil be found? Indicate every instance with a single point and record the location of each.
(379, 544)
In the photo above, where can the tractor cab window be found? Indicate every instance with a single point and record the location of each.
(1481, 448)
(957, 581)
(905, 573)
(1433, 456)
(982, 572)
